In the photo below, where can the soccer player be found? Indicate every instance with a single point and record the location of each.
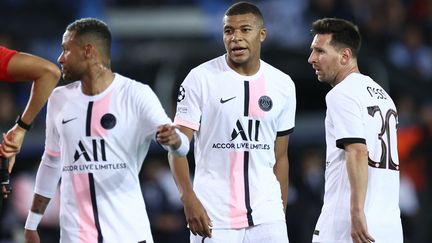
(98, 132)
(19, 66)
(361, 201)
(241, 111)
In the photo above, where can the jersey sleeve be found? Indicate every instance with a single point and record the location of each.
(287, 117)
(150, 112)
(50, 168)
(52, 154)
(345, 113)
(189, 101)
(5, 56)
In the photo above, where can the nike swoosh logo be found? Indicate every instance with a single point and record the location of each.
(224, 101)
(66, 121)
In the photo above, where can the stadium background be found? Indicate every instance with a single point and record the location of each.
(159, 41)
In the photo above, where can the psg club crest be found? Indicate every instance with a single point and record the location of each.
(181, 94)
(108, 121)
(265, 103)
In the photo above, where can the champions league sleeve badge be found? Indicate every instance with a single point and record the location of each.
(265, 103)
(181, 94)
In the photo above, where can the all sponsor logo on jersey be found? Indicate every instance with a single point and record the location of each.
(252, 133)
(92, 158)
(244, 145)
(249, 137)
(98, 152)
(93, 167)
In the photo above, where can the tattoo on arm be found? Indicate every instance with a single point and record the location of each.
(39, 204)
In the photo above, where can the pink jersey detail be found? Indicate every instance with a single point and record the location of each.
(51, 152)
(100, 108)
(88, 231)
(257, 89)
(186, 124)
(237, 191)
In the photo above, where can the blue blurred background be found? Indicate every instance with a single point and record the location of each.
(158, 41)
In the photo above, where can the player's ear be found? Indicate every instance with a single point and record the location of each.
(346, 55)
(263, 34)
(89, 50)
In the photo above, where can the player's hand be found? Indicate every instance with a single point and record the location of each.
(31, 236)
(196, 216)
(166, 134)
(12, 142)
(359, 231)
(11, 163)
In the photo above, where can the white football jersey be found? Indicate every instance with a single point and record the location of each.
(237, 119)
(360, 111)
(100, 142)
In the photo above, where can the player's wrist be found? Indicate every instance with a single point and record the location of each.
(183, 146)
(18, 129)
(33, 220)
(187, 195)
(24, 125)
(177, 144)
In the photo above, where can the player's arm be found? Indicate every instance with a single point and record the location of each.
(357, 167)
(39, 205)
(172, 139)
(47, 178)
(281, 167)
(45, 76)
(196, 215)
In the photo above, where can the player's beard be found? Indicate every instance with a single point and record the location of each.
(70, 76)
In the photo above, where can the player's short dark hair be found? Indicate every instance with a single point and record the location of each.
(344, 33)
(94, 29)
(245, 8)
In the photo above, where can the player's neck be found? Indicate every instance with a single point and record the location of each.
(344, 73)
(246, 69)
(97, 80)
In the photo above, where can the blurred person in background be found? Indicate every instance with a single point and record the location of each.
(164, 207)
(23, 184)
(8, 106)
(411, 53)
(418, 157)
(308, 183)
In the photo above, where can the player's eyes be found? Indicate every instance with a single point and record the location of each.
(228, 31)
